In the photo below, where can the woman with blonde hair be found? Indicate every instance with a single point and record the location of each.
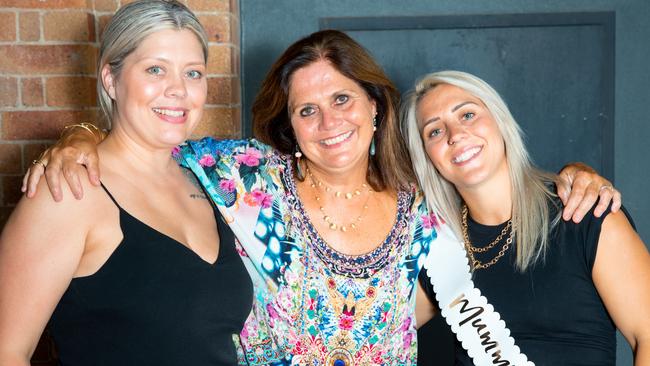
(144, 270)
(562, 288)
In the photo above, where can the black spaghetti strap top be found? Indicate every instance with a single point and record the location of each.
(155, 302)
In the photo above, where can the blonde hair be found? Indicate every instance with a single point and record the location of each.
(531, 195)
(130, 25)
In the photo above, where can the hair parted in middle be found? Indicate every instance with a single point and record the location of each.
(130, 25)
(390, 167)
(531, 196)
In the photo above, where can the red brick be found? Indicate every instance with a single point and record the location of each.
(209, 5)
(32, 92)
(29, 26)
(234, 30)
(41, 125)
(234, 61)
(11, 193)
(215, 122)
(236, 123)
(219, 61)
(32, 152)
(217, 27)
(219, 90)
(234, 7)
(48, 4)
(102, 21)
(77, 91)
(105, 5)
(7, 26)
(69, 26)
(10, 159)
(8, 92)
(59, 59)
(235, 90)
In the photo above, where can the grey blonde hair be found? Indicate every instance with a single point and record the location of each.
(531, 195)
(130, 25)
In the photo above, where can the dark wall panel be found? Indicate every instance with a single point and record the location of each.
(551, 72)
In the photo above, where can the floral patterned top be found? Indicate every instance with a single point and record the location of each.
(313, 304)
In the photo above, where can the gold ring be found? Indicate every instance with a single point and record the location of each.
(36, 162)
(607, 186)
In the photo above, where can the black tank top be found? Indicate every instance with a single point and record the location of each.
(553, 309)
(155, 302)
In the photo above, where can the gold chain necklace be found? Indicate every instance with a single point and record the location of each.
(476, 264)
(337, 194)
(316, 184)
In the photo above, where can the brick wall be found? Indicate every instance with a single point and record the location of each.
(48, 50)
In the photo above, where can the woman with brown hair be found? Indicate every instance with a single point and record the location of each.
(332, 228)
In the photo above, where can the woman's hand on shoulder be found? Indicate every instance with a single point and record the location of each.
(621, 274)
(69, 159)
(579, 187)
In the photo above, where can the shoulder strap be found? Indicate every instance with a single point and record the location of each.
(110, 196)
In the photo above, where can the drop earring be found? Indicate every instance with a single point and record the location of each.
(298, 154)
(372, 142)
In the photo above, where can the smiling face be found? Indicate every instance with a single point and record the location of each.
(331, 116)
(161, 89)
(461, 137)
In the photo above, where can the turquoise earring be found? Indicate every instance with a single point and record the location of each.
(374, 129)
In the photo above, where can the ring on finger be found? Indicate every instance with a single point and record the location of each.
(607, 186)
(37, 162)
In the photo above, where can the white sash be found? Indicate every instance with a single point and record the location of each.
(476, 324)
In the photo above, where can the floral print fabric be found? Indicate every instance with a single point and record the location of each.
(313, 305)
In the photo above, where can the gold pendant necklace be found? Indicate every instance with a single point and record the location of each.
(316, 184)
(476, 264)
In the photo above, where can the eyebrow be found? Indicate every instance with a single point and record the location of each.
(166, 60)
(461, 105)
(457, 107)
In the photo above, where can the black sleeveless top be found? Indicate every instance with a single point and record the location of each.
(553, 309)
(155, 302)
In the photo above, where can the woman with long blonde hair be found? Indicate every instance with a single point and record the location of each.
(562, 288)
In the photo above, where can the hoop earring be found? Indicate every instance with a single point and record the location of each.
(298, 154)
(372, 142)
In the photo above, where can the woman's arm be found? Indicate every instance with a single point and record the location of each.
(579, 185)
(621, 274)
(40, 249)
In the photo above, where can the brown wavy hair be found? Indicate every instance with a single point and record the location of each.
(391, 165)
